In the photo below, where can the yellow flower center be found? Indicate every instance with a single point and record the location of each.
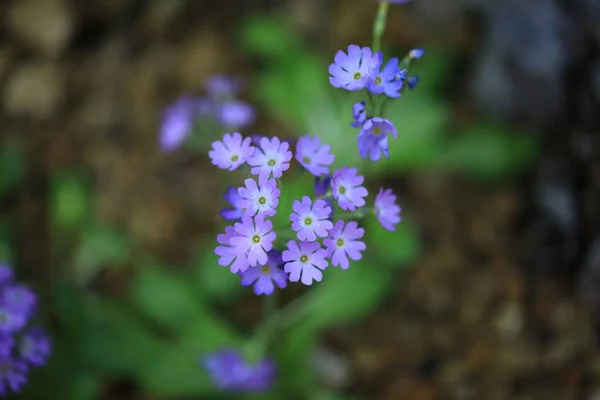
(265, 269)
(235, 157)
(272, 163)
(256, 239)
(262, 200)
(377, 131)
(357, 76)
(339, 242)
(304, 259)
(308, 221)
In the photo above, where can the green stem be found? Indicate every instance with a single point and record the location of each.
(379, 25)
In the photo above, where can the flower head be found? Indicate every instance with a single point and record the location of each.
(386, 209)
(359, 114)
(233, 198)
(384, 81)
(13, 375)
(230, 255)
(347, 188)
(232, 152)
(236, 114)
(311, 220)
(415, 54)
(343, 243)
(255, 238)
(271, 158)
(229, 371)
(222, 85)
(259, 198)
(352, 71)
(313, 155)
(373, 138)
(304, 261)
(177, 123)
(35, 347)
(322, 185)
(265, 277)
(412, 82)
(17, 305)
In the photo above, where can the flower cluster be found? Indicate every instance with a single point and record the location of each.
(229, 371)
(219, 104)
(22, 346)
(314, 239)
(361, 68)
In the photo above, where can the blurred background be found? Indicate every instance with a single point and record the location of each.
(488, 289)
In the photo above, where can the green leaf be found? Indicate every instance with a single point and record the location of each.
(490, 152)
(70, 200)
(395, 249)
(167, 299)
(268, 37)
(100, 247)
(12, 167)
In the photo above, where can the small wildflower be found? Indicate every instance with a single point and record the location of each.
(232, 152)
(229, 255)
(343, 243)
(322, 185)
(271, 158)
(35, 347)
(386, 209)
(233, 198)
(222, 85)
(412, 82)
(230, 372)
(347, 190)
(266, 277)
(313, 155)
(259, 198)
(20, 299)
(415, 54)
(401, 75)
(13, 375)
(384, 81)
(373, 138)
(255, 238)
(236, 114)
(304, 261)
(177, 123)
(352, 71)
(311, 220)
(359, 114)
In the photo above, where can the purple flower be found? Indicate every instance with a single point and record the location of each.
(311, 220)
(259, 199)
(322, 185)
(412, 82)
(415, 54)
(271, 158)
(229, 255)
(222, 85)
(304, 261)
(347, 190)
(20, 299)
(372, 140)
(236, 212)
(35, 347)
(13, 375)
(313, 155)
(6, 274)
(232, 152)
(229, 371)
(177, 123)
(343, 243)
(359, 114)
(352, 71)
(7, 343)
(401, 75)
(386, 209)
(264, 278)
(255, 238)
(236, 114)
(385, 81)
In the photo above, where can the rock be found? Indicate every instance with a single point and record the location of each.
(34, 90)
(44, 25)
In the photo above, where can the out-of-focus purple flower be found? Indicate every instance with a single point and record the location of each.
(271, 158)
(386, 209)
(236, 212)
(6, 274)
(384, 81)
(220, 85)
(230, 372)
(11, 320)
(343, 243)
(177, 122)
(35, 347)
(255, 238)
(20, 299)
(372, 140)
(313, 155)
(236, 114)
(13, 375)
(304, 262)
(230, 255)
(259, 198)
(322, 185)
(311, 220)
(412, 82)
(266, 277)
(232, 152)
(401, 75)
(359, 114)
(415, 54)
(352, 71)
(347, 188)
